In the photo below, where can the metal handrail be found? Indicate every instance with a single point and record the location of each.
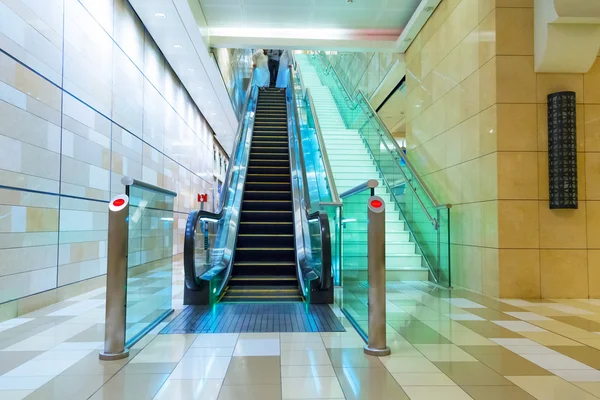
(372, 113)
(326, 273)
(328, 172)
(370, 184)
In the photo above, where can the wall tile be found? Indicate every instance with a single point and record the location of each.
(518, 224)
(562, 229)
(594, 273)
(591, 84)
(592, 176)
(593, 224)
(514, 31)
(552, 83)
(517, 175)
(564, 273)
(516, 79)
(519, 273)
(32, 33)
(517, 127)
(592, 127)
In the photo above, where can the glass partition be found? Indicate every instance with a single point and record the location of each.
(320, 188)
(355, 286)
(150, 260)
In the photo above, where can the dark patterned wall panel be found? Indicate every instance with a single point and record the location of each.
(562, 150)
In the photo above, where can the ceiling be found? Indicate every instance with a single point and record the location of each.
(377, 15)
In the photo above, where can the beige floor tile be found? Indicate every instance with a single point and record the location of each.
(203, 389)
(165, 348)
(209, 352)
(471, 373)
(12, 359)
(353, 358)
(408, 364)
(444, 352)
(550, 387)
(423, 379)
(253, 371)
(125, 387)
(550, 339)
(92, 365)
(582, 354)
(497, 393)
(466, 338)
(510, 364)
(251, 392)
(436, 392)
(149, 368)
(69, 387)
(590, 387)
(369, 383)
(314, 387)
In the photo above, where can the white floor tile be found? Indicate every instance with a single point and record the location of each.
(14, 394)
(555, 361)
(519, 326)
(201, 368)
(436, 392)
(209, 352)
(256, 347)
(527, 316)
(305, 357)
(463, 303)
(465, 317)
(216, 340)
(578, 375)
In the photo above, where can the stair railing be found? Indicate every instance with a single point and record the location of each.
(427, 220)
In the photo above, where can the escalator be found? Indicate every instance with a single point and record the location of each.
(268, 241)
(264, 264)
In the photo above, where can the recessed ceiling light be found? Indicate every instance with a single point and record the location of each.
(160, 15)
(178, 46)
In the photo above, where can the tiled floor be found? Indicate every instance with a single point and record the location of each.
(445, 345)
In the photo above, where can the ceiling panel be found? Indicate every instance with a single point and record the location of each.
(294, 14)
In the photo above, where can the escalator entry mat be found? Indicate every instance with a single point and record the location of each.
(255, 317)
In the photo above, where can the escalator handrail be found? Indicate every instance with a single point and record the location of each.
(324, 229)
(193, 281)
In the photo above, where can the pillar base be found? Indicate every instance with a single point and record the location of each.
(377, 352)
(114, 356)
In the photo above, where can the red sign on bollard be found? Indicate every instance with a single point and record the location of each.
(202, 197)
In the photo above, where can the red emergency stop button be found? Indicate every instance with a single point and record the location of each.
(118, 202)
(376, 203)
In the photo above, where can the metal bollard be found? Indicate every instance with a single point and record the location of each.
(376, 269)
(116, 279)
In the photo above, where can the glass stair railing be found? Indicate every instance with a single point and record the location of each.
(360, 148)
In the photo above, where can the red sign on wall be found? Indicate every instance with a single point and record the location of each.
(202, 197)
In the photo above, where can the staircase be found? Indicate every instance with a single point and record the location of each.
(352, 164)
(264, 268)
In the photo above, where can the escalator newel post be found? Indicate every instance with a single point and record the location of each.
(377, 345)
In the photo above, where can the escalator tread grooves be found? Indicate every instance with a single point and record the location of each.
(264, 265)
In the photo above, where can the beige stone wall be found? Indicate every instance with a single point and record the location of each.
(85, 98)
(451, 130)
(478, 132)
